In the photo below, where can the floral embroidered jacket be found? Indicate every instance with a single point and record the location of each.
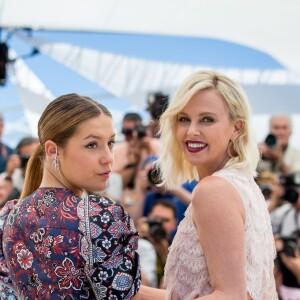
(59, 246)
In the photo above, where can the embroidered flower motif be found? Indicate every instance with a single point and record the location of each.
(19, 246)
(98, 254)
(116, 211)
(106, 244)
(128, 264)
(100, 290)
(25, 258)
(118, 229)
(94, 209)
(113, 262)
(95, 230)
(35, 282)
(105, 218)
(103, 275)
(103, 200)
(122, 282)
(49, 198)
(38, 235)
(69, 275)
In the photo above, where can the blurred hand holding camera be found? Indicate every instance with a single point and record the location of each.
(154, 232)
(14, 162)
(271, 149)
(292, 263)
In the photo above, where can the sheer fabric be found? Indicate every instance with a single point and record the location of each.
(186, 272)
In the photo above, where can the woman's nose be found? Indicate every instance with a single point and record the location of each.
(107, 157)
(193, 130)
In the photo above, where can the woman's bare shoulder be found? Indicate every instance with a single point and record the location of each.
(216, 193)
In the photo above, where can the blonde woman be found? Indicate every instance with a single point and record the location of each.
(224, 247)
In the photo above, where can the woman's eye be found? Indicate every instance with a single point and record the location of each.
(111, 143)
(183, 119)
(92, 145)
(207, 120)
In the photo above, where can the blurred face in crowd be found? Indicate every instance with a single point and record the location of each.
(5, 190)
(27, 150)
(85, 162)
(280, 126)
(166, 214)
(1, 128)
(128, 129)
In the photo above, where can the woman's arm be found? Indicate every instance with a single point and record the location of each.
(219, 215)
(149, 293)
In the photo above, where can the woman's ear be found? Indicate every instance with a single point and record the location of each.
(237, 129)
(51, 149)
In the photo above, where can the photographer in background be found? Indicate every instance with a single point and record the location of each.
(6, 188)
(156, 234)
(286, 227)
(129, 155)
(5, 151)
(16, 164)
(278, 155)
(271, 188)
(148, 190)
(157, 104)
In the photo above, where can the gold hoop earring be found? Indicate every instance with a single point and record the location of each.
(230, 148)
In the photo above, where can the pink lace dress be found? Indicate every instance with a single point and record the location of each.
(186, 273)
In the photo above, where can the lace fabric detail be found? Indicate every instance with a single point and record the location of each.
(186, 273)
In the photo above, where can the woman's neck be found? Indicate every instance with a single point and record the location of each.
(51, 180)
(207, 172)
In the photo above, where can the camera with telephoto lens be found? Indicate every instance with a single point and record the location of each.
(154, 175)
(24, 160)
(139, 130)
(157, 104)
(271, 140)
(266, 190)
(290, 186)
(290, 246)
(156, 229)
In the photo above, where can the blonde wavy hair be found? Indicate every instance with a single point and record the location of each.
(243, 151)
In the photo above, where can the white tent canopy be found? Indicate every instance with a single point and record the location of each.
(268, 25)
(132, 78)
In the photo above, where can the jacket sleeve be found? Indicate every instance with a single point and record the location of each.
(109, 245)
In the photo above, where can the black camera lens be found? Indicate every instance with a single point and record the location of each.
(290, 246)
(271, 140)
(157, 104)
(24, 160)
(154, 176)
(156, 229)
(266, 190)
(141, 131)
(291, 188)
(291, 194)
(127, 131)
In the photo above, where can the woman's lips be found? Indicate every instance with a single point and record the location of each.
(193, 146)
(104, 174)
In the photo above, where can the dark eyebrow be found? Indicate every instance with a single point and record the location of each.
(98, 137)
(201, 114)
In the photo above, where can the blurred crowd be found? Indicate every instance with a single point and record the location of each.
(156, 211)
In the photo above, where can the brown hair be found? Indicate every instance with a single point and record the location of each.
(58, 123)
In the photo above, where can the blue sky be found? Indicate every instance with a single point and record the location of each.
(61, 80)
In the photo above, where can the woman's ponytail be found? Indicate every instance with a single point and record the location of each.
(34, 172)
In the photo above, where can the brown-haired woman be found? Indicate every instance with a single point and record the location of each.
(57, 245)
